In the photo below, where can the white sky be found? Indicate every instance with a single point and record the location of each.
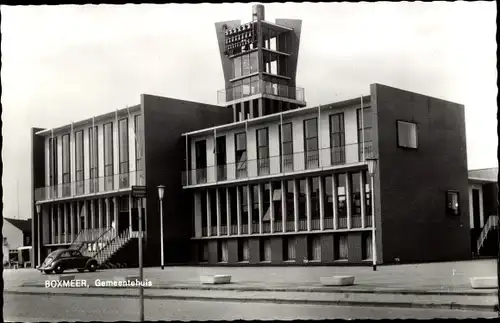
(66, 63)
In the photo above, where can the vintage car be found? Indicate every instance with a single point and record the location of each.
(64, 259)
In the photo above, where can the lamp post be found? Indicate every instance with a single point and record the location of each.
(161, 191)
(372, 163)
(38, 209)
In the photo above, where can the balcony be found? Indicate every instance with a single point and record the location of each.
(260, 87)
(278, 165)
(90, 186)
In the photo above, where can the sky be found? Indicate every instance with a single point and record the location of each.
(66, 63)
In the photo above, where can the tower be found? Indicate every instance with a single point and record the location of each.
(259, 61)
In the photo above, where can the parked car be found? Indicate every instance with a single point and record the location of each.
(64, 259)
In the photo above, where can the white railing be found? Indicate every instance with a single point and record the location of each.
(490, 224)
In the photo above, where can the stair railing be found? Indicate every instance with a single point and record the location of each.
(98, 243)
(110, 248)
(491, 223)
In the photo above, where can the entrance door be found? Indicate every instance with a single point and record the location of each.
(475, 209)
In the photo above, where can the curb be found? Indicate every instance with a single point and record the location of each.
(444, 305)
(302, 290)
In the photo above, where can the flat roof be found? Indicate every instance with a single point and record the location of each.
(121, 113)
(279, 115)
(484, 175)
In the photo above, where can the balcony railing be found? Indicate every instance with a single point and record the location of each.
(276, 165)
(90, 186)
(315, 224)
(368, 222)
(342, 222)
(302, 225)
(328, 224)
(278, 227)
(356, 221)
(290, 226)
(260, 87)
(266, 227)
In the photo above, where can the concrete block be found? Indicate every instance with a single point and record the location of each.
(337, 281)
(215, 279)
(484, 282)
(67, 277)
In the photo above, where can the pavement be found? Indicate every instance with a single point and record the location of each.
(435, 285)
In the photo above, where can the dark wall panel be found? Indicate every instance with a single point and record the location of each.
(165, 120)
(232, 249)
(254, 245)
(411, 184)
(276, 250)
(213, 256)
(300, 249)
(354, 247)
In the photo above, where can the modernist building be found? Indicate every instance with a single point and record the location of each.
(288, 184)
(261, 178)
(16, 235)
(83, 173)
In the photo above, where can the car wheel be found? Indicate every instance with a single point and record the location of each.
(81, 270)
(47, 271)
(92, 267)
(59, 269)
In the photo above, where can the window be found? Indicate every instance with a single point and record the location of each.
(241, 155)
(53, 161)
(76, 253)
(108, 156)
(200, 148)
(265, 249)
(355, 179)
(407, 135)
(79, 162)
(243, 250)
(123, 152)
(276, 187)
(341, 200)
(288, 248)
(139, 149)
(311, 143)
(302, 205)
(263, 151)
(222, 251)
(452, 203)
(203, 251)
(254, 62)
(313, 248)
(364, 121)
(327, 182)
(368, 194)
(94, 155)
(286, 147)
(337, 138)
(237, 67)
(66, 177)
(244, 204)
(266, 201)
(342, 247)
(203, 207)
(314, 182)
(212, 195)
(289, 195)
(255, 209)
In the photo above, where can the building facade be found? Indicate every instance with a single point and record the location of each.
(288, 184)
(83, 174)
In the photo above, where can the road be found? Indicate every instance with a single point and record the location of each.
(30, 308)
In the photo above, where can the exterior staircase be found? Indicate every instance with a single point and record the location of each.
(110, 248)
(489, 228)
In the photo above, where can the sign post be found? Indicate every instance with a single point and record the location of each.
(139, 192)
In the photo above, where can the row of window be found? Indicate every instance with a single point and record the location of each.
(249, 201)
(311, 146)
(340, 249)
(93, 134)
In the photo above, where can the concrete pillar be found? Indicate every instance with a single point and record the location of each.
(99, 212)
(197, 214)
(86, 215)
(108, 212)
(130, 206)
(283, 205)
(335, 199)
(363, 199)
(53, 224)
(72, 223)
(228, 211)
(209, 216)
(308, 203)
(59, 224)
(271, 206)
(250, 208)
(348, 199)
(92, 214)
(116, 214)
(321, 204)
(78, 218)
(296, 204)
(261, 206)
(218, 210)
(261, 108)
(66, 222)
(238, 208)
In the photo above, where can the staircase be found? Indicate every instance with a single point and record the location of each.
(110, 248)
(490, 226)
(85, 236)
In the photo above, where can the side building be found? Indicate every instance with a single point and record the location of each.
(83, 174)
(293, 187)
